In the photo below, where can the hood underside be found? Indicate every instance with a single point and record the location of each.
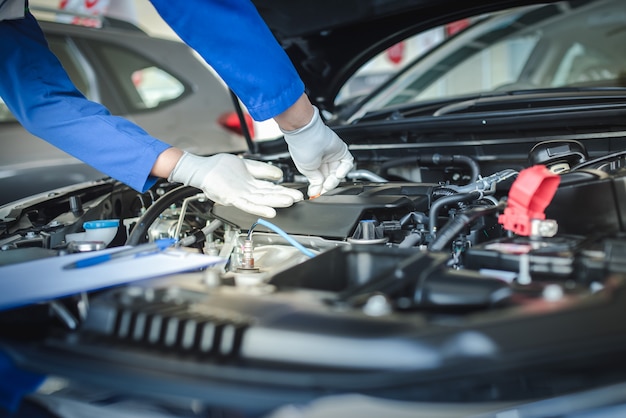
(327, 40)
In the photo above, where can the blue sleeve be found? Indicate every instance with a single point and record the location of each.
(39, 93)
(15, 383)
(234, 40)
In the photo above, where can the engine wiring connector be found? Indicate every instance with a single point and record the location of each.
(529, 196)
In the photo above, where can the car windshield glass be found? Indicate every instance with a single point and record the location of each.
(546, 46)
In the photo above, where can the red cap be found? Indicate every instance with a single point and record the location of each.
(529, 196)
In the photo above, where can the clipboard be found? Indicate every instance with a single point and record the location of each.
(45, 279)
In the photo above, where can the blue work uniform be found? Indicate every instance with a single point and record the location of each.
(229, 34)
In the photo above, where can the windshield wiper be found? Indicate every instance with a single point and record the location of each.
(538, 99)
(527, 100)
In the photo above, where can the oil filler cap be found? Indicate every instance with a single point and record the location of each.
(558, 155)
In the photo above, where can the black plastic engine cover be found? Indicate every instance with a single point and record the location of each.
(588, 202)
(336, 213)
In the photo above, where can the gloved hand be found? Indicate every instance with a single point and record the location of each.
(319, 154)
(232, 181)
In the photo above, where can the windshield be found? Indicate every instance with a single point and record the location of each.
(546, 46)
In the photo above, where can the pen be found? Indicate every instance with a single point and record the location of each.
(152, 247)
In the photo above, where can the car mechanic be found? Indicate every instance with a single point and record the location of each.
(38, 91)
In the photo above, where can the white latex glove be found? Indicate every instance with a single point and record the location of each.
(319, 154)
(232, 181)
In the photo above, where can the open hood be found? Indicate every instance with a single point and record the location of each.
(471, 264)
(327, 40)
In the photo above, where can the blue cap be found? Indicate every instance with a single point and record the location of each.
(106, 223)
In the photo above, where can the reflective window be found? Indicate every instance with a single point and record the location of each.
(155, 86)
(566, 44)
(380, 68)
(581, 64)
(142, 83)
(496, 67)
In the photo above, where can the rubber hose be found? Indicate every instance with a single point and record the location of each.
(138, 234)
(456, 225)
(443, 192)
(472, 164)
(447, 200)
(411, 239)
(434, 159)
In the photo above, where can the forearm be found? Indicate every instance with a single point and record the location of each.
(165, 162)
(296, 116)
(38, 92)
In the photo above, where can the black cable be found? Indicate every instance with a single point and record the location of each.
(459, 222)
(434, 159)
(252, 146)
(605, 158)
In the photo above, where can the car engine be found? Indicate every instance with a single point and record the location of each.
(388, 286)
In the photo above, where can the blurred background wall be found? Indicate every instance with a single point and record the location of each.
(139, 11)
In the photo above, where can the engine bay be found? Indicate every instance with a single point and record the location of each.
(386, 286)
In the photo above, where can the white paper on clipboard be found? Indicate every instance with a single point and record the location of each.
(45, 279)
